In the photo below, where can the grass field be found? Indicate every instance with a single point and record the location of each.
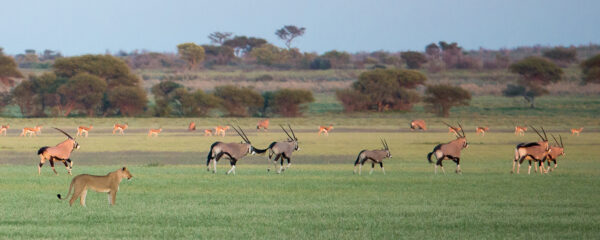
(172, 196)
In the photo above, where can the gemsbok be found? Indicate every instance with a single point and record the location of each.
(325, 129)
(536, 151)
(576, 131)
(450, 150)
(192, 126)
(234, 151)
(3, 129)
(418, 124)
(520, 130)
(482, 130)
(220, 130)
(555, 152)
(375, 156)
(154, 132)
(31, 131)
(264, 124)
(208, 132)
(283, 150)
(60, 152)
(83, 130)
(120, 128)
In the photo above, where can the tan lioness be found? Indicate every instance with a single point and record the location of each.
(108, 184)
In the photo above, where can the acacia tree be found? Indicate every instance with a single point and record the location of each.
(83, 91)
(8, 70)
(239, 101)
(164, 93)
(288, 33)
(535, 72)
(591, 70)
(413, 60)
(219, 37)
(441, 98)
(128, 101)
(243, 44)
(191, 53)
(291, 102)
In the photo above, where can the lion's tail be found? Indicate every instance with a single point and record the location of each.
(67, 196)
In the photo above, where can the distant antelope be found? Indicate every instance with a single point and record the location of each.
(234, 151)
(376, 156)
(418, 124)
(31, 131)
(208, 132)
(454, 130)
(220, 130)
(82, 129)
(283, 150)
(60, 152)
(450, 150)
(154, 132)
(576, 131)
(536, 151)
(3, 129)
(482, 130)
(325, 130)
(264, 124)
(192, 126)
(520, 130)
(120, 128)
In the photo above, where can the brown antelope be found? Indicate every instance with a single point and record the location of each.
(208, 132)
(3, 129)
(283, 150)
(264, 124)
(154, 132)
(418, 124)
(376, 156)
(536, 151)
(576, 131)
(450, 150)
(325, 130)
(482, 130)
(192, 126)
(120, 128)
(555, 152)
(31, 131)
(454, 130)
(220, 130)
(234, 151)
(60, 152)
(82, 129)
(520, 130)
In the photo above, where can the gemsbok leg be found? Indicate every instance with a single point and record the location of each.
(382, 169)
(52, 165)
(232, 162)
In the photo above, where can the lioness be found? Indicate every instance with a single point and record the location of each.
(108, 184)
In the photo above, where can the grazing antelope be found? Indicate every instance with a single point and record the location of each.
(82, 129)
(418, 124)
(4, 128)
(450, 150)
(264, 124)
(283, 150)
(154, 132)
(120, 128)
(60, 152)
(536, 151)
(575, 130)
(482, 130)
(376, 156)
(454, 130)
(234, 151)
(325, 130)
(220, 130)
(192, 126)
(31, 131)
(520, 130)
(208, 132)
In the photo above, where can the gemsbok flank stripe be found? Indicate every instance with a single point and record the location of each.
(283, 150)
(536, 151)
(450, 150)
(234, 151)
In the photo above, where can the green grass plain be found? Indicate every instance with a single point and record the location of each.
(173, 196)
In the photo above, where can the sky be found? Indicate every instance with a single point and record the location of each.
(76, 27)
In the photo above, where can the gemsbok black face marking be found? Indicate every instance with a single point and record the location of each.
(283, 150)
(234, 151)
(533, 151)
(60, 152)
(375, 156)
(450, 150)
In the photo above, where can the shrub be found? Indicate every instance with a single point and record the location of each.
(441, 98)
(291, 102)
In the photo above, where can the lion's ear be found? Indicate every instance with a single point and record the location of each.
(124, 168)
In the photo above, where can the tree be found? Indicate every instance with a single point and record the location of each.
(291, 102)
(38, 94)
(112, 69)
(8, 70)
(413, 60)
(164, 95)
(243, 44)
(196, 104)
(441, 98)
(83, 91)
(288, 33)
(591, 70)
(191, 53)
(337, 59)
(561, 55)
(129, 101)
(219, 54)
(433, 51)
(535, 72)
(219, 37)
(239, 101)
(269, 55)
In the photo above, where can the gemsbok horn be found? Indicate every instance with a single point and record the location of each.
(450, 150)
(376, 156)
(283, 150)
(536, 151)
(60, 152)
(234, 151)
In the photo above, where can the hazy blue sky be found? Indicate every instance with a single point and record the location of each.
(79, 26)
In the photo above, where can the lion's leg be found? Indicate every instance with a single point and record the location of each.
(112, 197)
(82, 197)
(77, 191)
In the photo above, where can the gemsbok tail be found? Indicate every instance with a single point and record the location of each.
(431, 153)
(69, 193)
(42, 150)
(210, 153)
(260, 151)
(358, 157)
